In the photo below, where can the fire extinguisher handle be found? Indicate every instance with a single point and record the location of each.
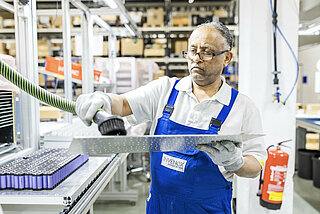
(260, 184)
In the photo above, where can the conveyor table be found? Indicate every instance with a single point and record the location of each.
(76, 194)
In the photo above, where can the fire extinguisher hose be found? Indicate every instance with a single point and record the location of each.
(39, 93)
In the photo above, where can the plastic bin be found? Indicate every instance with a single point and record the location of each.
(316, 170)
(305, 168)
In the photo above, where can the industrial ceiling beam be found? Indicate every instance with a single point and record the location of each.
(6, 6)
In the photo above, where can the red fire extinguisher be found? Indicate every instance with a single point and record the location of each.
(274, 177)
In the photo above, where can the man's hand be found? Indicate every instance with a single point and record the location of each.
(224, 153)
(87, 105)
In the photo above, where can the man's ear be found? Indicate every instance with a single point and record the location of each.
(227, 58)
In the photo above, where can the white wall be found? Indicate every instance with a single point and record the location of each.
(255, 80)
(307, 60)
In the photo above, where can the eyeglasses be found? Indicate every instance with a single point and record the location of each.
(203, 55)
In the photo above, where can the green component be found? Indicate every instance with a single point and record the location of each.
(24, 84)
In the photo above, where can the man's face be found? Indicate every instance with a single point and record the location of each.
(207, 39)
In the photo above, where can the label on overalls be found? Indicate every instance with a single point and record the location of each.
(173, 163)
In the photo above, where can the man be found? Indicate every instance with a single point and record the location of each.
(193, 181)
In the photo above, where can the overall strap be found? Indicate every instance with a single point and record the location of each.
(168, 109)
(216, 123)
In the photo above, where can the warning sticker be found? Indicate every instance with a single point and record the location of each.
(275, 196)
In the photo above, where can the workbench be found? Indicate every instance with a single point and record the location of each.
(76, 194)
(304, 124)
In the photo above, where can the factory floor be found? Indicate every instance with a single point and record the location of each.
(135, 182)
(306, 198)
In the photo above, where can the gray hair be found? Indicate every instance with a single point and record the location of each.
(223, 30)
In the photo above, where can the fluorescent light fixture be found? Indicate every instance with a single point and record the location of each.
(313, 29)
(191, 1)
(130, 30)
(111, 3)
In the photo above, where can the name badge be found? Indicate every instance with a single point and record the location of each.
(173, 163)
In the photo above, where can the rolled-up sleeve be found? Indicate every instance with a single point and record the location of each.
(252, 125)
(144, 101)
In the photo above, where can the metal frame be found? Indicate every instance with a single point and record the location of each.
(87, 37)
(112, 47)
(6, 6)
(27, 64)
(66, 34)
(87, 56)
(122, 194)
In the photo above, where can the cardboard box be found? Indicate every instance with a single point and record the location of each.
(155, 17)
(131, 47)
(160, 41)
(43, 48)
(48, 112)
(44, 22)
(180, 46)
(232, 78)
(110, 19)
(312, 109)
(41, 80)
(56, 21)
(106, 48)
(12, 48)
(8, 23)
(1, 22)
(154, 52)
(3, 48)
(136, 16)
(159, 74)
(312, 141)
(180, 19)
(221, 13)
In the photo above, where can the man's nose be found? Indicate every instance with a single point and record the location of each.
(196, 58)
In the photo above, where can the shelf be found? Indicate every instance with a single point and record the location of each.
(175, 67)
(118, 30)
(7, 30)
(167, 60)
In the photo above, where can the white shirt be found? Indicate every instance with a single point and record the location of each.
(147, 104)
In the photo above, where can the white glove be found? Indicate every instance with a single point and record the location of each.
(224, 153)
(87, 105)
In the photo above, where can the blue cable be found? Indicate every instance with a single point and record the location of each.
(294, 56)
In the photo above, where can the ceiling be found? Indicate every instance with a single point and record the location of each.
(309, 22)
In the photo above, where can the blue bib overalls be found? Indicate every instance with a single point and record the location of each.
(197, 189)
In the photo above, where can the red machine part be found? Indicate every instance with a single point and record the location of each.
(274, 177)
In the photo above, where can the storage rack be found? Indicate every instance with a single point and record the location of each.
(172, 63)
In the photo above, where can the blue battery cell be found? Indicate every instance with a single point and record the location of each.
(39, 181)
(3, 181)
(21, 181)
(8, 181)
(43, 169)
(44, 182)
(16, 181)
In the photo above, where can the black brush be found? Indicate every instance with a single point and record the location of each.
(109, 124)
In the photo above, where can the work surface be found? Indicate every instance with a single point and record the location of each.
(65, 192)
(312, 124)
